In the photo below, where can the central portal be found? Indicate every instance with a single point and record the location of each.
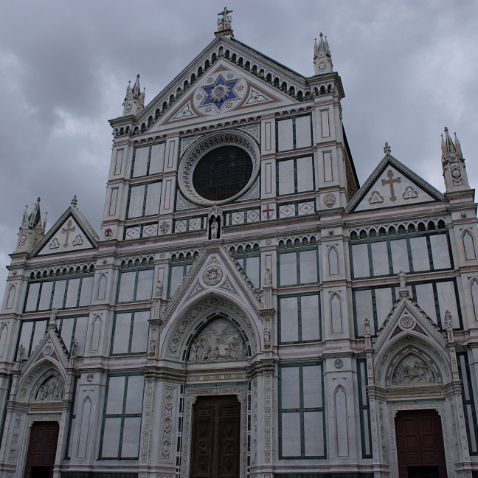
(420, 444)
(215, 439)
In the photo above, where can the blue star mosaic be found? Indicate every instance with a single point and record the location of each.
(220, 92)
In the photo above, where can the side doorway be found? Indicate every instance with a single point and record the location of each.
(41, 450)
(420, 449)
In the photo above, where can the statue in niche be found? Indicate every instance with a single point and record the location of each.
(51, 389)
(214, 227)
(413, 370)
(218, 341)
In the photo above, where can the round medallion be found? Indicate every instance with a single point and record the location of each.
(338, 364)
(219, 168)
(455, 173)
(212, 275)
(47, 350)
(219, 93)
(406, 322)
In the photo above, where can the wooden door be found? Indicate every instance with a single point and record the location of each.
(41, 450)
(216, 433)
(420, 444)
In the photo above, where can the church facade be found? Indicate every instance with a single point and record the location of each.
(246, 308)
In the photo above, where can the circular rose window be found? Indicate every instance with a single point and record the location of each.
(222, 173)
(219, 168)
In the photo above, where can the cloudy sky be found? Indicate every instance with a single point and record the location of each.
(409, 68)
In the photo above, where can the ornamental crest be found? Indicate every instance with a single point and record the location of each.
(222, 92)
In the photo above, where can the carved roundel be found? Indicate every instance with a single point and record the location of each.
(212, 275)
(406, 322)
(219, 168)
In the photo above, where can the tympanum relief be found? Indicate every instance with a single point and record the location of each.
(218, 341)
(413, 370)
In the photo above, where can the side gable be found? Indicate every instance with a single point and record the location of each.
(70, 233)
(392, 184)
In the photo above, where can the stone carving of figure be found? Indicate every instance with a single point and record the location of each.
(159, 289)
(412, 370)
(21, 353)
(218, 341)
(268, 278)
(224, 21)
(50, 390)
(214, 228)
(366, 324)
(402, 280)
(74, 349)
(52, 319)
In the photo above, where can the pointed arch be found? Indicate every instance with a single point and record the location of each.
(205, 306)
(84, 428)
(336, 313)
(341, 421)
(474, 296)
(468, 246)
(3, 339)
(333, 259)
(102, 287)
(96, 333)
(11, 297)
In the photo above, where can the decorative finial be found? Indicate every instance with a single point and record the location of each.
(322, 56)
(224, 22)
(387, 149)
(74, 202)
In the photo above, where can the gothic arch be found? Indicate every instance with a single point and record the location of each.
(336, 318)
(11, 297)
(427, 353)
(188, 321)
(333, 259)
(341, 421)
(3, 339)
(38, 374)
(468, 245)
(474, 295)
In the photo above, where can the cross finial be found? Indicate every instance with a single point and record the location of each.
(387, 149)
(74, 201)
(224, 22)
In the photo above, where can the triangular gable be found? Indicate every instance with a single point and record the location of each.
(235, 48)
(406, 318)
(392, 184)
(70, 233)
(213, 271)
(225, 90)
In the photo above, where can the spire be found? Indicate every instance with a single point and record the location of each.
(224, 23)
(134, 100)
(31, 230)
(322, 56)
(453, 163)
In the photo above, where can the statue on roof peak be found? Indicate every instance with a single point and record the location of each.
(224, 21)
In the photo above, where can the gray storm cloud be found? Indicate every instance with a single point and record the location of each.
(409, 68)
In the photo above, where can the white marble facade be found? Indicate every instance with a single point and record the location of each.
(326, 308)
